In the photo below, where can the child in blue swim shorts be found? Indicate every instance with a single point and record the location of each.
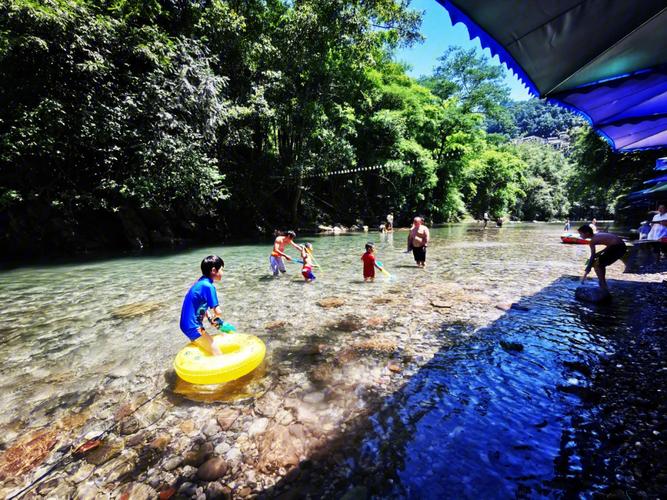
(200, 301)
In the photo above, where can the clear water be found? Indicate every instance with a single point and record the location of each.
(66, 329)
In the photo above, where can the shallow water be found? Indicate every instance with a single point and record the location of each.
(75, 333)
(66, 327)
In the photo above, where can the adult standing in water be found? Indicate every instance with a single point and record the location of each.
(418, 239)
(278, 252)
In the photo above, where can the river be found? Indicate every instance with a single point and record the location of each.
(89, 338)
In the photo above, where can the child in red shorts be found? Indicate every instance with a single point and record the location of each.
(369, 262)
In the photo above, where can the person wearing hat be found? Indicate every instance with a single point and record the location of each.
(644, 229)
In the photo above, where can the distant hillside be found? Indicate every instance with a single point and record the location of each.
(535, 118)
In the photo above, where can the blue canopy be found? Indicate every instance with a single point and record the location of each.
(606, 59)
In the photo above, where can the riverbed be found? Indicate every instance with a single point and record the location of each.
(86, 352)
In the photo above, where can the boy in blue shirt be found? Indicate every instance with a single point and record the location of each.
(202, 300)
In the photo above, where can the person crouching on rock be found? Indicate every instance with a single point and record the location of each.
(615, 249)
(200, 301)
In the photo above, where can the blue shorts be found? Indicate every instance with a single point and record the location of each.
(308, 274)
(193, 333)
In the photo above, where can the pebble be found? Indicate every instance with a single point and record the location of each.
(234, 455)
(172, 463)
(214, 468)
(222, 448)
(258, 427)
(211, 428)
(314, 397)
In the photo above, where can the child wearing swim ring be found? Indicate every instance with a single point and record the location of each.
(307, 257)
(200, 301)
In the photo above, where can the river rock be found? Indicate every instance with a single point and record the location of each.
(394, 366)
(86, 491)
(214, 468)
(349, 323)
(284, 417)
(314, 397)
(198, 456)
(122, 412)
(227, 417)
(136, 439)
(107, 451)
(83, 472)
(440, 304)
(376, 321)
(222, 448)
(258, 426)
(268, 405)
(278, 448)
(330, 302)
(234, 455)
(27, 454)
(218, 491)
(129, 425)
(591, 294)
(211, 428)
(172, 463)
(187, 426)
(151, 413)
(115, 469)
(160, 442)
(276, 325)
(139, 491)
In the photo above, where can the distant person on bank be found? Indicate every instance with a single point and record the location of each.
(486, 218)
(567, 225)
(659, 230)
(615, 249)
(594, 225)
(658, 224)
(278, 252)
(418, 239)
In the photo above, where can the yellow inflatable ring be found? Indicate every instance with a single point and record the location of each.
(242, 353)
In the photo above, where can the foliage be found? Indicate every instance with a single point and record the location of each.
(535, 117)
(159, 119)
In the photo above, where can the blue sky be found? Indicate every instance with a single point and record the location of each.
(439, 33)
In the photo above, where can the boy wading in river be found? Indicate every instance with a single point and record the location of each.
(615, 249)
(202, 300)
(278, 252)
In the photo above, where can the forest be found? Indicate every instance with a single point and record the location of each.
(142, 123)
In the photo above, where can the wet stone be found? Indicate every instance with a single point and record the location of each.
(107, 451)
(214, 468)
(135, 439)
(198, 456)
(314, 397)
(218, 491)
(172, 463)
(331, 302)
(268, 405)
(140, 491)
(211, 428)
(187, 426)
(227, 417)
(348, 323)
(276, 325)
(128, 426)
(258, 426)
